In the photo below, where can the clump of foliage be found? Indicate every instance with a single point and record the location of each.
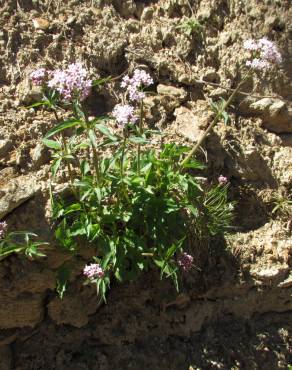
(19, 242)
(139, 207)
(191, 26)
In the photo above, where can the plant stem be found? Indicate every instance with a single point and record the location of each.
(140, 132)
(65, 149)
(213, 123)
(94, 151)
(122, 157)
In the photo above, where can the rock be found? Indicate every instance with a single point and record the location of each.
(282, 165)
(74, 309)
(29, 282)
(255, 167)
(39, 156)
(276, 114)
(210, 75)
(147, 14)
(21, 311)
(287, 283)
(172, 91)
(187, 124)
(271, 273)
(170, 97)
(28, 93)
(5, 358)
(5, 146)
(41, 24)
(286, 140)
(17, 191)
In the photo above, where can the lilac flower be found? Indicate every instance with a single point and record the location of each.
(3, 229)
(93, 271)
(222, 180)
(124, 114)
(264, 53)
(38, 76)
(71, 83)
(135, 84)
(185, 261)
(250, 44)
(269, 51)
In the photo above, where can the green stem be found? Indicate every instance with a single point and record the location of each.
(122, 157)
(96, 163)
(141, 133)
(64, 142)
(213, 123)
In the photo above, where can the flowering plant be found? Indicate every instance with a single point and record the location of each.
(19, 242)
(137, 207)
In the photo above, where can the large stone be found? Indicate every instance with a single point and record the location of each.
(5, 358)
(74, 309)
(39, 155)
(5, 146)
(276, 114)
(21, 311)
(28, 93)
(173, 91)
(187, 124)
(15, 192)
(270, 274)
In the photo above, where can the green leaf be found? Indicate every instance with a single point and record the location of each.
(84, 167)
(38, 104)
(105, 131)
(52, 144)
(63, 276)
(101, 81)
(92, 138)
(62, 126)
(138, 140)
(55, 166)
(193, 210)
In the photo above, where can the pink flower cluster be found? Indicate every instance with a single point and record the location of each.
(124, 114)
(185, 261)
(265, 53)
(72, 82)
(3, 229)
(222, 180)
(93, 271)
(38, 76)
(135, 84)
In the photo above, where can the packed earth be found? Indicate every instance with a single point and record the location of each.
(183, 59)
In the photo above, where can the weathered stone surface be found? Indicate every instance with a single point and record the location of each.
(282, 164)
(73, 309)
(17, 191)
(187, 124)
(41, 24)
(276, 114)
(39, 155)
(286, 140)
(28, 93)
(29, 282)
(173, 91)
(5, 146)
(5, 358)
(287, 283)
(21, 311)
(270, 273)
